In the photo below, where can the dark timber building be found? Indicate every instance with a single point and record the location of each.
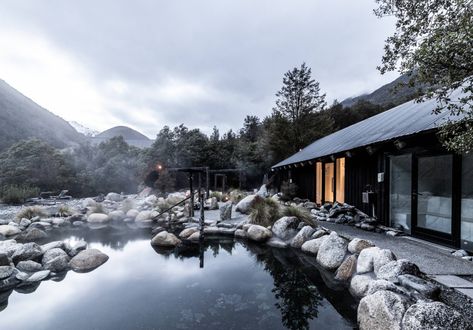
(396, 155)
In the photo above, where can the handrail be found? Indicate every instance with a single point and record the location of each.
(170, 208)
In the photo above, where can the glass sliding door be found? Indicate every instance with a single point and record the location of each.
(340, 184)
(329, 182)
(400, 191)
(434, 193)
(466, 235)
(318, 183)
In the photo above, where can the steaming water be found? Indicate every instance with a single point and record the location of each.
(239, 287)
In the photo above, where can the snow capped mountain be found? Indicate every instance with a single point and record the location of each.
(83, 130)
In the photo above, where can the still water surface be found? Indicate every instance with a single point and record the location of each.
(239, 287)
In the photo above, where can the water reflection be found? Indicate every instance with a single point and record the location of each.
(242, 286)
(296, 281)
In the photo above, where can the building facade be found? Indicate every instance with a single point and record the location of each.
(392, 166)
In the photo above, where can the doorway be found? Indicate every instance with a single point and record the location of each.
(329, 179)
(432, 196)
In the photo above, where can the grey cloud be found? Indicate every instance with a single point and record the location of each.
(240, 48)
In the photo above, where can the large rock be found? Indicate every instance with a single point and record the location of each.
(378, 285)
(312, 246)
(55, 260)
(6, 271)
(356, 245)
(98, 218)
(72, 251)
(38, 276)
(244, 205)
(188, 231)
(52, 245)
(33, 234)
(88, 202)
(346, 269)
(145, 216)
(219, 231)
(151, 200)
(332, 251)
(9, 230)
(302, 236)
(263, 191)
(412, 282)
(382, 310)
(25, 222)
(114, 197)
(240, 233)
(165, 239)
(391, 270)
(27, 251)
(117, 215)
(381, 258)
(9, 247)
(359, 284)
(88, 260)
(29, 266)
(433, 316)
(259, 233)
(226, 211)
(372, 259)
(132, 214)
(285, 228)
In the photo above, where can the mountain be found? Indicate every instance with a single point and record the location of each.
(21, 118)
(386, 96)
(83, 130)
(130, 135)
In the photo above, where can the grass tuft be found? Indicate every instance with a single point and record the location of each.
(264, 211)
(64, 211)
(31, 212)
(300, 213)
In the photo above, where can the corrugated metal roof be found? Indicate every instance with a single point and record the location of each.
(405, 119)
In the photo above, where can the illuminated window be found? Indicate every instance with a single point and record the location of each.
(318, 183)
(340, 185)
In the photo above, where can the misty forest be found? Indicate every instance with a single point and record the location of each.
(33, 165)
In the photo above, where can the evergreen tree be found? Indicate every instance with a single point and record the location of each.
(298, 117)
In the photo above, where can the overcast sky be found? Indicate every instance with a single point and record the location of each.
(150, 63)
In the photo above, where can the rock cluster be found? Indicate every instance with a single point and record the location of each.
(24, 264)
(344, 213)
(394, 293)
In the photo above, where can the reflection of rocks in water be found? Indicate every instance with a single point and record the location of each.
(27, 288)
(114, 237)
(4, 299)
(58, 277)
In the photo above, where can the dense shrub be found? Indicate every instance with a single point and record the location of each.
(34, 163)
(15, 194)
